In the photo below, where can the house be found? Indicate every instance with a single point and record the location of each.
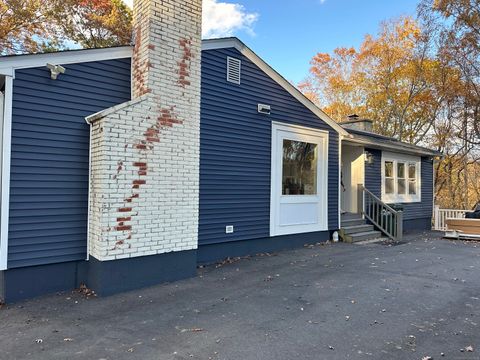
(126, 167)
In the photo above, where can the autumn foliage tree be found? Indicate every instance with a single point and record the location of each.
(30, 26)
(26, 26)
(95, 23)
(391, 79)
(418, 80)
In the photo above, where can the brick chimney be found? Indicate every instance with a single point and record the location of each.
(355, 122)
(144, 180)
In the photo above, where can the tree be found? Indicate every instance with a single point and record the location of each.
(391, 79)
(457, 25)
(417, 80)
(30, 26)
(25, 26)
(96, 23)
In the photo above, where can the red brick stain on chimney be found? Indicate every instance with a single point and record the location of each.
(139, 69)
(184, 63)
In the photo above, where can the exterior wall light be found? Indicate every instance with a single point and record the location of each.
(264, 109)
(368, 157)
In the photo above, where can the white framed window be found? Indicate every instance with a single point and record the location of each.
(299, 180)
(401, 180)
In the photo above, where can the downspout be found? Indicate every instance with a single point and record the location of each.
(89, 188)
(340, 138)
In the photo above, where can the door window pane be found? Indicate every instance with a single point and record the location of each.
(299, 173)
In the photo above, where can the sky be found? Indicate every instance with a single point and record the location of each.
(288, 33)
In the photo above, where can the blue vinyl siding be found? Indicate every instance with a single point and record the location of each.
(49, 165)
(412, 211)
(235, 149)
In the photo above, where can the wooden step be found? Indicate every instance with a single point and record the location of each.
(349, 216)
(368, 235)
(352, 222)
(357, 229)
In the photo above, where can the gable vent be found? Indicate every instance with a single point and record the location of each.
(233, 70)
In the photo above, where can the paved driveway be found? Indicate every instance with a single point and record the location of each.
(338, 301)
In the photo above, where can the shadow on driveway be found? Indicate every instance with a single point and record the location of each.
(417, 299)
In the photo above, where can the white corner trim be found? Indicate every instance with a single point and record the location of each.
(9, 63)
(279, 79)
(5, 175)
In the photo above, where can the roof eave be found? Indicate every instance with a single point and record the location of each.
(393, 148)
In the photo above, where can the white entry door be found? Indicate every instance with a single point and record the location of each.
(299, 180)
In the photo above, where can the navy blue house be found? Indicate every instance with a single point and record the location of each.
(275, 171)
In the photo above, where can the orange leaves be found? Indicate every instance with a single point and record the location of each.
(390, 79)
(29, 26)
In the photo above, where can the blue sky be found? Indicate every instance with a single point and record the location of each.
(287, 33)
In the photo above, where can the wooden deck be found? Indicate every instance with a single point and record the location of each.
(464, 226)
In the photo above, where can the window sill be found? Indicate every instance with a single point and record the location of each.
(401, 200)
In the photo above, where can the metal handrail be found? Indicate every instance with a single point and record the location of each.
(388, 220)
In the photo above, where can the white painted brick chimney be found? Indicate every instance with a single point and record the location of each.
(144, 180)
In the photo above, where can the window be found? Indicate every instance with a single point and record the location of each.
(299, 169)
(400, 178)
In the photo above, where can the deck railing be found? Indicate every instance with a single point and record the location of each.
(440, 215)
(388, 220)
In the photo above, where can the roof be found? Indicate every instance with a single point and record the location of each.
(8, 64)
(377, 141)
(236, 43)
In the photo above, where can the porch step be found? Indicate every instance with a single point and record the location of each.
(352, 222)
(362, 236)
(350, 216)
(355, 229)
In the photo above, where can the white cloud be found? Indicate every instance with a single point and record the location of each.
(223, 19)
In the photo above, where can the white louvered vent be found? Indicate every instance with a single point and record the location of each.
(233, 70)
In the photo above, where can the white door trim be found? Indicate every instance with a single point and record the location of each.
(307, 134)
(5, 172)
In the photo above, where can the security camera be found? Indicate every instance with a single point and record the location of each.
(55, 70)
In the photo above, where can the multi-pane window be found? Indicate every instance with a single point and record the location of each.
(400, 179)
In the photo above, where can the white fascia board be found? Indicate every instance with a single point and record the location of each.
(392, 148)
(274, 75)
(8, 64)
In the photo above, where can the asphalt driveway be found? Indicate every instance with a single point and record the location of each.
(341, 301)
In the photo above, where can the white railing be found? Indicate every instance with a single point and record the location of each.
(440, 215)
